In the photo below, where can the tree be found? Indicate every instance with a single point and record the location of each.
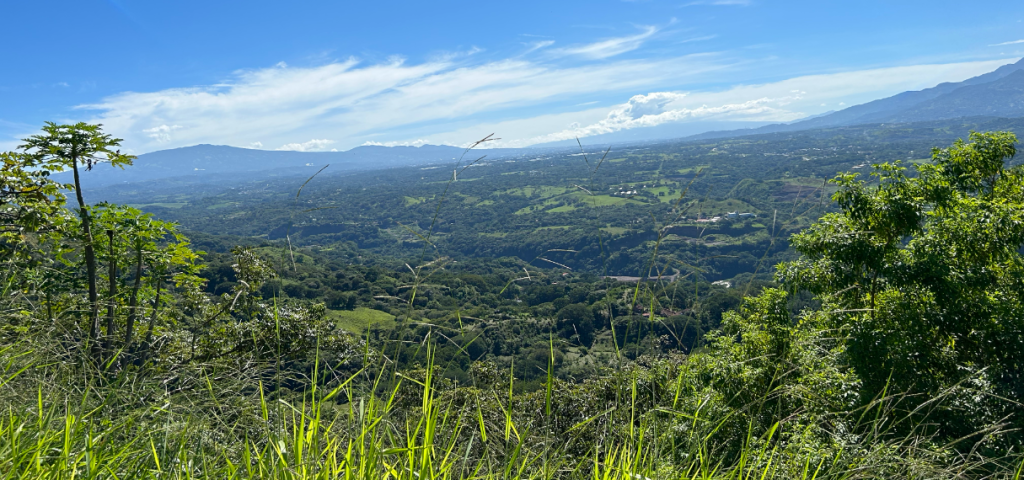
(29, 198)
(135, 241)
(577, 319)
(32, 215)
(70, 146)
(925, 272)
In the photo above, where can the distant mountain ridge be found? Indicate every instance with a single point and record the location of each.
(999, 93)
(656, 133)
(212, 163)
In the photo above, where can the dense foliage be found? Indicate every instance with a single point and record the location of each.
(889, 347)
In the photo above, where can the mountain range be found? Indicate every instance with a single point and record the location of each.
(999, 93)
(215, 163)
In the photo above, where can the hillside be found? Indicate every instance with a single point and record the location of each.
(570, 240)
(522, 207)
(666, 309)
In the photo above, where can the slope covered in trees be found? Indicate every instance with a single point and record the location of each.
(886, 345)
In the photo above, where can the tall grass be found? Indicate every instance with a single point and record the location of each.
(420, 427)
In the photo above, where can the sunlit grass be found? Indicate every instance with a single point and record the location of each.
(404, 426)
(361, 318)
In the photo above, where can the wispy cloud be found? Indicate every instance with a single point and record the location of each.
(533, 46)
(453, 99)
(12, 132)
(609, 47)
(1014, 42)
(781, 101)
(699, 39)
(277, 104)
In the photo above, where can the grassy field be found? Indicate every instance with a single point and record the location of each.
(540, 207)
(718, 207)
(555, 227)
(358, 320)
(615, 230)
(222, 205)
(563, 208)
(606, 200)
(544, 191)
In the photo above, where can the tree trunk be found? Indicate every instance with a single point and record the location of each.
(133, 302)
(90, 257)
(112, 291)
(152, 320)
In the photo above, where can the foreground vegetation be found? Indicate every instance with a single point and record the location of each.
(890, 348)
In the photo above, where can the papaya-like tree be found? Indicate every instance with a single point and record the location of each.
(173, 264)
(81, 145)
(135, 240)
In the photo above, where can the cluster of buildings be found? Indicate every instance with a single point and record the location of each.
(728, 216)
(627, 191)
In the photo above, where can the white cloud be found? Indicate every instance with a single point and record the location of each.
(1015, 42)
(652, 109)
(161, 134)
(457, 99)
(782, 101)
(610, 47)
(314, 145)
(287, 105)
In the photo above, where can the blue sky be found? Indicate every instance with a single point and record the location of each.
(335, 75)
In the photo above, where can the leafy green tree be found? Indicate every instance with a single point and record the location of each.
(29, 198)
(145, 246)
(925, 273)
(577, 319)
(242, 324)
(60, 147)
(32, 214)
